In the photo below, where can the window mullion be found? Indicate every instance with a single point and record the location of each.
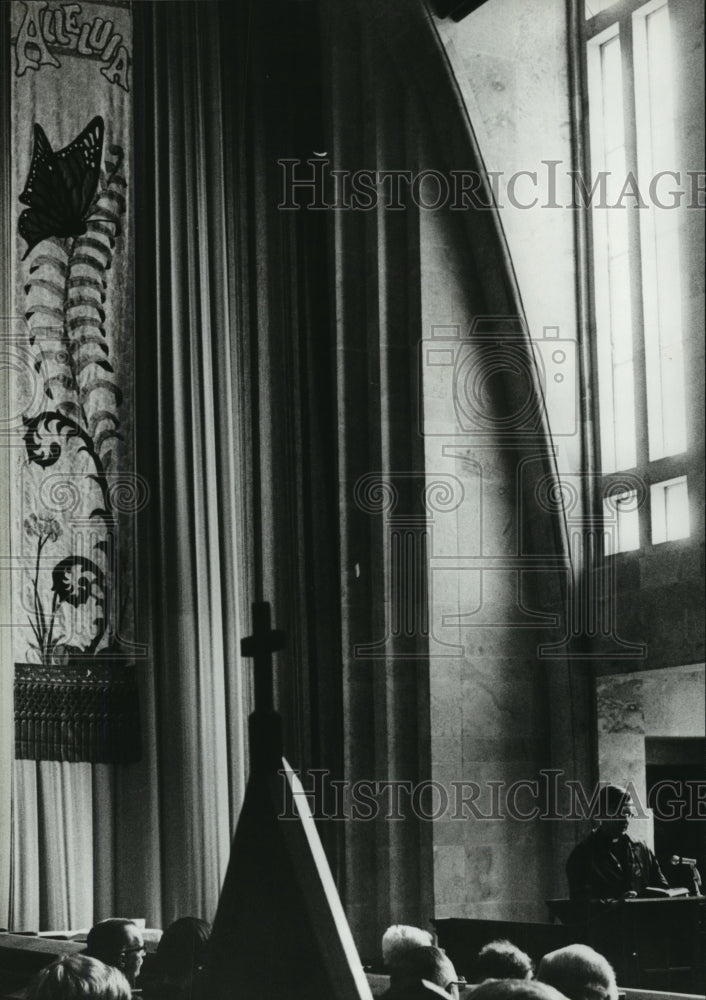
(635, 263)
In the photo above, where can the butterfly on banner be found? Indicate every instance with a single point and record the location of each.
(61, 185)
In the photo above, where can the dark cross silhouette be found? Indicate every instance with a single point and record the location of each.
(260, 646)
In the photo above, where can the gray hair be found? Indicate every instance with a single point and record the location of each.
(399, 939)
(579, 972)
(77, 977)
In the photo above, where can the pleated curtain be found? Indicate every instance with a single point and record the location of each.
(236, 430)
(191, 569)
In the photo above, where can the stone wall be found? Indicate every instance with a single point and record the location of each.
(513, 709)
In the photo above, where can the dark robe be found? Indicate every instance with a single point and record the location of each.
(600, 868)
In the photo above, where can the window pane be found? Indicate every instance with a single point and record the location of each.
(621, 522)
(659, 233)
(670, 510)
(611, 269)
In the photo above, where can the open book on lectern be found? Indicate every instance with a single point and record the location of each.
(280, 930)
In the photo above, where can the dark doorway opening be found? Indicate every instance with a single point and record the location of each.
(676, 777)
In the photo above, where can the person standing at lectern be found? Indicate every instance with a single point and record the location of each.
(609, 864)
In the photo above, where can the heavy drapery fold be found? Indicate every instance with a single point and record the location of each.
(236, 424)
(194, 585)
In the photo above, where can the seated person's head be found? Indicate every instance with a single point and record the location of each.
(579, 972)
(399, 938)
(181, 953)
(77, 977)
(117, 942)
(424, 964)
(515, 989)
(502, 960)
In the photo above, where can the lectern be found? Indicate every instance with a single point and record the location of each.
(653, 944)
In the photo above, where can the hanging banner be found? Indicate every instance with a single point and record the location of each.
(76, 492)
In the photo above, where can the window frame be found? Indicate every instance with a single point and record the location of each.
(652, 472)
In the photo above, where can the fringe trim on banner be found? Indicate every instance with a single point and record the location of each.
(79, 712)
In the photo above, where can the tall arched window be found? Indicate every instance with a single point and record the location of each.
(644, 190)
